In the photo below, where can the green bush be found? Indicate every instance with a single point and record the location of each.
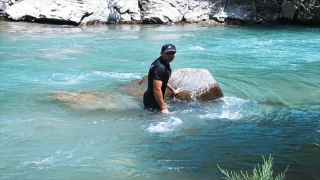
(265, 173)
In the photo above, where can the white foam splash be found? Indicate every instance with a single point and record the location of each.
(39, 162)
(78, 78)
(167, 126)
(232, 108)
(197, 48)
(222, 115)
(118, 75)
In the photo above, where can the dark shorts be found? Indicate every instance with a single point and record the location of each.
(150, 102)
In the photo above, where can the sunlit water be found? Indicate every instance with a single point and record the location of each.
(270, 77)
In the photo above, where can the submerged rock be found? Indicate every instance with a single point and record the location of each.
(96, 100)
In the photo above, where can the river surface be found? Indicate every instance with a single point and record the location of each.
(270, 77)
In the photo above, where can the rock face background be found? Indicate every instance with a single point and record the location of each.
(86, 12)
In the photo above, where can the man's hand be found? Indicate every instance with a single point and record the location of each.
(176, 92)
(165, 111)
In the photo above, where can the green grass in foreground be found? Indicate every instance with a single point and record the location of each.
(265, 173)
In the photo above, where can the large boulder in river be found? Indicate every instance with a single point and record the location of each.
(197, 84)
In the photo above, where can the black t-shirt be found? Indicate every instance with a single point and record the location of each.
(159, 70)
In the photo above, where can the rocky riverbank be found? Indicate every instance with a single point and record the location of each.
(234, 12)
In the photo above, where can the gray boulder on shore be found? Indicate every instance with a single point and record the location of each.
(87, 12)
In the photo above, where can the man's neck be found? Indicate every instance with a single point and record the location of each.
(168, 63)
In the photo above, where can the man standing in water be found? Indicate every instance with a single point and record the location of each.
(158, 77)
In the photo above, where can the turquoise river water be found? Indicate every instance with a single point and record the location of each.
(270, 77)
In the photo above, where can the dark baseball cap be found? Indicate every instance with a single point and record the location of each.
(168, 48)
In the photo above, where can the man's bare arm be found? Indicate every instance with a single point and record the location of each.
(174, 91)
(158, 95)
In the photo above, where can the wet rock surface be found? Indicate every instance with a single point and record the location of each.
(96, 100)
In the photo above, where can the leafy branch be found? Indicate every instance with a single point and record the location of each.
(263, 173)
